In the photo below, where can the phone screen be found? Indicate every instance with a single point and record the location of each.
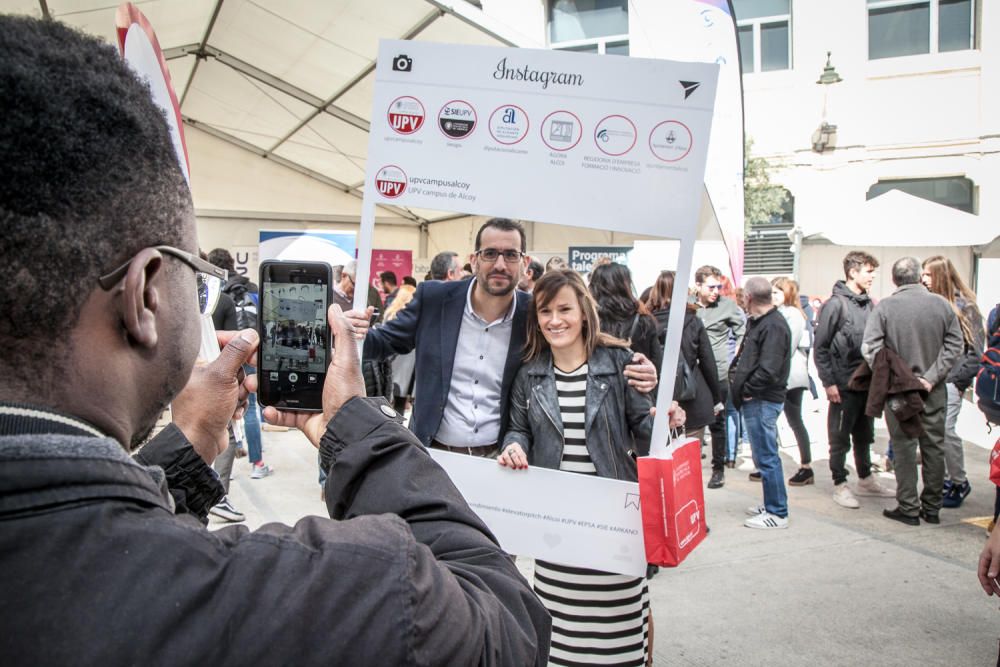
(295, 338)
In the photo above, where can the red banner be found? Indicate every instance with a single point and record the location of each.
(399, 262)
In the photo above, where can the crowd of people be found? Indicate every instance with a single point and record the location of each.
(561, 373)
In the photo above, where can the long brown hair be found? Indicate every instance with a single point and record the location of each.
(790, 289)
(544, 292)
(662, 293)
(946, 282)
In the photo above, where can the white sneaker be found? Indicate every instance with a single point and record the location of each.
(754, 510)
(766, 521)
(261, 471)
(869, 486)
(842, 496)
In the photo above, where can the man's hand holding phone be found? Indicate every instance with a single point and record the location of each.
(343, 382)
(216, 393)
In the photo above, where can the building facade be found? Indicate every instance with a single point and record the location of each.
(916, 108)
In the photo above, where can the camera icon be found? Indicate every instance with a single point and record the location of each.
(402, 63)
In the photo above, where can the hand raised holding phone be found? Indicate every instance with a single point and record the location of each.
(343, 382)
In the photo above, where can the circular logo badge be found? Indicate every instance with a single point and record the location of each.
(509, 124)
(390, 181)
(457, 119)
(615, 135)
(406, 115)
(561, 130)
(670, 141)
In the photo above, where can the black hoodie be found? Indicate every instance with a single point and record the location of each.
(841, 328)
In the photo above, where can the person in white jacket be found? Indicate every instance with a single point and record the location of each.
(785, 295)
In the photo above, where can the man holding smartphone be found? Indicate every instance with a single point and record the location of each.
(105, 557)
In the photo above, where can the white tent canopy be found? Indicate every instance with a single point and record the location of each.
(289, 82)
(899, 219)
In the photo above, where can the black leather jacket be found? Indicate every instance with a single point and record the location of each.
(617, 420)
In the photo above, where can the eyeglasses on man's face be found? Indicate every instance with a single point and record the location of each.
(492, 254)
(210, 278)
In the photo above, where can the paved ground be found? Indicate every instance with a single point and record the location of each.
(839, 587)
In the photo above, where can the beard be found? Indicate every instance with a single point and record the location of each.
(499, 291)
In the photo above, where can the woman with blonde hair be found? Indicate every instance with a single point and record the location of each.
(940, 277)
(785, 295)
(571, 409)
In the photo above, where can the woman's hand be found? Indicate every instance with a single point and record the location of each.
(513, 457)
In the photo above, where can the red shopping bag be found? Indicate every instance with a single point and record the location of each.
(994, 464)
(673, 503)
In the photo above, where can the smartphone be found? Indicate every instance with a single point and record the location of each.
(295, 347)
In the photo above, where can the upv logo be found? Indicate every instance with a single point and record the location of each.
(390, 181)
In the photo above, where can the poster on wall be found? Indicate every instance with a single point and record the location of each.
(399, 262)
(582, 259)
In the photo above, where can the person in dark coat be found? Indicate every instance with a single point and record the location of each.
(696, 351)
(105, 556)
(621, 314)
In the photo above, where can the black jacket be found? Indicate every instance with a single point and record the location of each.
(967, 367)
(841, 328)
(696, 349)
(639, 330)
(98, 569)
(616, 416)
(760, 369)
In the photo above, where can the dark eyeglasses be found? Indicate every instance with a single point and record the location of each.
(492, 254)
(211, 279)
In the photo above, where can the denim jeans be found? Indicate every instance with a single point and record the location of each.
(251, 425)
(734, 429)
(761, 419)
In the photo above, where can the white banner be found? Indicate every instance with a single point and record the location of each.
(562, 517)
(553, 136)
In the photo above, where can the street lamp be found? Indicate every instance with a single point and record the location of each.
(825, 137)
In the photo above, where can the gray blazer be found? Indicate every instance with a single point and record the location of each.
(617, 422)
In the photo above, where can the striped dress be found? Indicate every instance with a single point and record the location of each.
(598, 618)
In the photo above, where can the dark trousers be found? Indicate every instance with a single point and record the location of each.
(793, 413)
(718, 430)
(931, 449)
(845, 422)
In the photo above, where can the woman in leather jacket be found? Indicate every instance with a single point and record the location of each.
(572, 410)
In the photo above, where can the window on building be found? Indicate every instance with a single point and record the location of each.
(589, 26)
(912, 27)
(767, 249)
(764, 30)
(956, 191)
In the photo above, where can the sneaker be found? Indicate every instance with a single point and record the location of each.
(802, 477)
(842, 496)
(954, 496)
(766, 521)
(754, 476)
(869, 486)
(718, 479)
(225, 510)
(261, 470)
(754, 510)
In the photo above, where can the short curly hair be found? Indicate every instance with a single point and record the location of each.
(88, 178)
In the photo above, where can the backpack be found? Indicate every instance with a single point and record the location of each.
(246, 305)
(988, 377)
